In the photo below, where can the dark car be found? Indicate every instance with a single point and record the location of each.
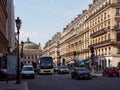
(63, 70)
(81, 73)
(3, 74)
(111, 71)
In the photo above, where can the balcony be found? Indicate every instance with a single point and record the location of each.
(85, 50)
(98, 11)
(98, 33)
(103, 43)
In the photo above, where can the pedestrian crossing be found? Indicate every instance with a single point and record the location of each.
(54, 75)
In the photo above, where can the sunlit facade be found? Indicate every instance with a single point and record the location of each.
(52, 48)
(31, 52)
(96, 27)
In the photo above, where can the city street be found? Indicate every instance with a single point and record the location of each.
(64, 82)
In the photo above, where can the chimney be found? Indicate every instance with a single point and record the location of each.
(90, 5)
(84, 11)
(79, 15)
(94, 1)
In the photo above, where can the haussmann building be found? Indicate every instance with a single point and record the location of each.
(97, 27)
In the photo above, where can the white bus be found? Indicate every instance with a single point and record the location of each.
(46, 65)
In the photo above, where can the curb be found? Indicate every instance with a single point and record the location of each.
(11, 85)
(25, 86)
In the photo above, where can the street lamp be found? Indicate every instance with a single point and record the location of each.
(74, 54)
(22, 44)
(18, 26)
(92, 59)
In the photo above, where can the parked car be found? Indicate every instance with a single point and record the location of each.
(81, 73)
(55, 69)
(111, 71)
(63, 70)
(28, 71)
(3, 74)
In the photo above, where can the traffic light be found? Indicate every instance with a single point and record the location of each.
(92, 49)
(74, 53)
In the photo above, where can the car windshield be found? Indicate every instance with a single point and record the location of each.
(27, 69)
(63, 67)
(81, 69)
(46, 63)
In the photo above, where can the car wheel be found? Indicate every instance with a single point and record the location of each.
(33, 77)
(0, 78)
(114, 75)
(76, 77)
(72, 76)
(90, 78)
(117, 75)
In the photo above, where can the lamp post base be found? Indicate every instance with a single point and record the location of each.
(18, 78)
(18, 82)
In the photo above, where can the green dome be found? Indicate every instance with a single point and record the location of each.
(30, 45)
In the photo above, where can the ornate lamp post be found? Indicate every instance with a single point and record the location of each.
(92, 59)
(18, 26)
(22, 44)
(74, 53)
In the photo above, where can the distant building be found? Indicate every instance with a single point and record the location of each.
(52, 48)
(31, 52)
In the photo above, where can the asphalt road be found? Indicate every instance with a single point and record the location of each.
(64, 82)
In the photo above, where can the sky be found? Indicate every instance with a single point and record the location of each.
(41, 19)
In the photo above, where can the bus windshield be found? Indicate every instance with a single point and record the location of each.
(46, 63)
(79, 63)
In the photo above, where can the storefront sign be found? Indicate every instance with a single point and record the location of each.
(12, 64)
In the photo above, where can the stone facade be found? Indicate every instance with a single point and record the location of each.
(98, 27)
(3, 32)
(52, 48)
(31, 52)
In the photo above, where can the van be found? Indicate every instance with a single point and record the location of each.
(28, 71)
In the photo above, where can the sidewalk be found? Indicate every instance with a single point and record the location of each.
(11, 85)
(97, 74)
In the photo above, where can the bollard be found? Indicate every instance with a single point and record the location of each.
(7, 79)
(119, 73)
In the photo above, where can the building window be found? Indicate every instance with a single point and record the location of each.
(118, 1)
(28, 57)
(104, 15)
(109, 36)
(102, 52)
(118, 36)
(36, 57)
(32, 57)
(117, 11)
(109, 62)
(118, 24)
(105, 51)
(109, 50)
(105, 37)
(25, 57)
(101, 38)
(118, 50)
